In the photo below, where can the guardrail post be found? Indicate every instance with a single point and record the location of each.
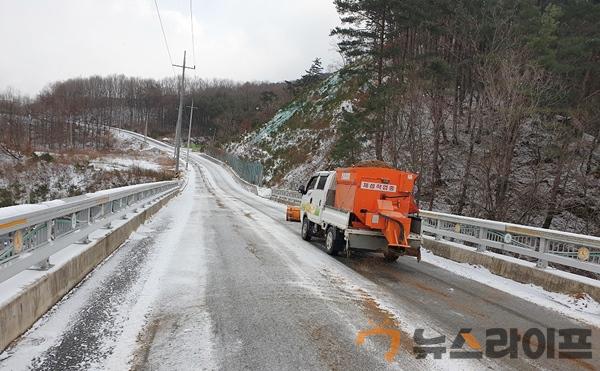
(437, 227)
(107, 208)
(85, 240)
(49, 230)
(482, 237)
(136, 200)
(17, 239)
(44, 265)
(542, 263)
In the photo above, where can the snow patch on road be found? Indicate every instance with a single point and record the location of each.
(579, 307)
(149, 303)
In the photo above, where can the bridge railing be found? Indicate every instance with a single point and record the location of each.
(533, 244)
(30, 234)
(540, 245)
(285, 196)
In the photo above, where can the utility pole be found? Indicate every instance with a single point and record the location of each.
(180, 114)
(71, 131)
(146, 130)
(30, 131)
(192, 108)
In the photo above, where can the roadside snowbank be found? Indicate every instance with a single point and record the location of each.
(579, 307)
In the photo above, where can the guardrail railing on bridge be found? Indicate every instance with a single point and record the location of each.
(538, 245)
(285, 195)
(30, 234)
(529, 243)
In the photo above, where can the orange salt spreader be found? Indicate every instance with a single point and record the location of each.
(364, 201)
(380, 199)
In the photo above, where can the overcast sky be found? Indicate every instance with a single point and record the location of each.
(48, 40)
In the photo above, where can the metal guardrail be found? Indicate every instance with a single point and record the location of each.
(529, 243)
(538, 245)
(285, 196)
(30, 234)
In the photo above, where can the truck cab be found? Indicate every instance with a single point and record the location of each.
(314, 195)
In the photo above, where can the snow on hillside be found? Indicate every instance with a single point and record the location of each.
(297, 140)
(44, 176)
(300, 138)
(123, 163)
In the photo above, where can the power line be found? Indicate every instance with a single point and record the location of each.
(192, 27)
(164, 36)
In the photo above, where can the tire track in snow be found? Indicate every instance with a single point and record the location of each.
(83, 344)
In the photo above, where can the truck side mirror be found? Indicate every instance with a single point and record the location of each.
(302, 190)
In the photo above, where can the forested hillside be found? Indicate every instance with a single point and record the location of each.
(73, 113)
(495, 104)
(67, 125)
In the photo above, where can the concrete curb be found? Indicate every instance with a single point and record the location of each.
(19, 314)
(514, 271)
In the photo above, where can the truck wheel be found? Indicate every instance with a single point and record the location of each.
(333, 242)
(306, 229)
(390, 257)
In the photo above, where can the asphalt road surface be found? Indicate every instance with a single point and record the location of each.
(218, 280)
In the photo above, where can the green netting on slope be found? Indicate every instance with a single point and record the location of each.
(250, 171)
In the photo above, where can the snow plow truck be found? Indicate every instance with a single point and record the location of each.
(361, 208)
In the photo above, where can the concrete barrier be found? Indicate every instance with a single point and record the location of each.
(19, 314)
(513, 270)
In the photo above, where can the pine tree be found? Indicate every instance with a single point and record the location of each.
(313, 74)
(316, 68)
(363, 38)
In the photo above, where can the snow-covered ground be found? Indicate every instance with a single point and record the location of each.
(580, 307)
(298, 139)
(46, 176)
(125, 162)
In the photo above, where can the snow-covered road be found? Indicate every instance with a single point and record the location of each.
(218, 280)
